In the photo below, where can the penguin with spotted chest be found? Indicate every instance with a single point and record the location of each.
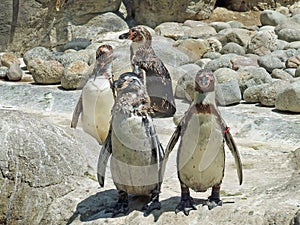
(201, 155)
(133, 146)
(157, 78)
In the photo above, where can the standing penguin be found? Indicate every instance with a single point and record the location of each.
(158, 80)
(201, 155)
(136, 153)
(97, 97)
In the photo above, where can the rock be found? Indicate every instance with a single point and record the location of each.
(273, 18)
(270, 63)
(43, 165)
(9, 58)
(289, 35)
(236, 35)
(296, 18)
(252, 93)
(224, 75)
(284, 55)
(223, 61)
(262, 42)
(200, 31)
(70, 57)
(293, 62)
(45, 72)
(170, 30)
(289, 98)
(38, 52)
(269, 93)
(212, 55)
(235, 24)
(287, 25)
(228, 93)
(297, 73)
(77, 44)
(294, 44)
(251, 76)
(75, 75)
(220, 26)
(152, 13)
(281, 74)
(295, 8)
(14, 72)
(242, 61)
(107, 22)
(3, 72)
(232, 47)
(296, 159)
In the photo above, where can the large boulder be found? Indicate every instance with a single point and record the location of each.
(154, 12)
(289, 98)
(41, 166)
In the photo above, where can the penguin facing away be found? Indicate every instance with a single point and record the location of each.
(97, 97)
(157, 78)
(136, 153)
(201, 154)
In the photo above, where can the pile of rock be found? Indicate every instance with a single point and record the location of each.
(254, 64)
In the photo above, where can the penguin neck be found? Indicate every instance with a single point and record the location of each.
(207, 98)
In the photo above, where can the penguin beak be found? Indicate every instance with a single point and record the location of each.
(124, 36)
(129, 35)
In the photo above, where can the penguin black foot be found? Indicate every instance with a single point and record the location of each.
(186, 204)
(122, 205)
(151, 206)
(213, 202)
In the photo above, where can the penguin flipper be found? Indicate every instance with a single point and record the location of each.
(104, 155)
(77, 112)
(233, 148)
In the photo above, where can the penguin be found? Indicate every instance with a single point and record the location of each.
(97, 97)
(134, 147)
(201, 154)
(158, 80)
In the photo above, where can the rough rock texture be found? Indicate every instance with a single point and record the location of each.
(40, 163)
(289, 99)
(154, 12)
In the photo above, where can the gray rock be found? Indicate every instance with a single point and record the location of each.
(3, 72)
(281, 74)
(220, 25)
(235, 24)
(228, 93)
(251, 76)
(281, 44)
(200, 31)
(297, 73)
(170, 29)
(242, 61)
(77, 44)
(289, 24)
(9, 58)
(294, 44)
(289, 98)
(212, 55)
(291, 71)
(296, 18)
(45, 72)
(262, 42)
(289, 35)
(14, 72)
(252, 93)
(75, 75)
(223, 75)
(295, 8)
(270, 63)
(153, 13)
(42, 164)
(107, 22)
(236, 35)
(273, 18)
(223, 61)
(70, 57)
(293, 62)
(269, 93)
(38, 52)
(284, 55)
(232, 47)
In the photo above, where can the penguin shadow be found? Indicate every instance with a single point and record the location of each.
(100, 205)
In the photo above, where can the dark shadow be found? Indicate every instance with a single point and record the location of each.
(285, 112)
(98, 206)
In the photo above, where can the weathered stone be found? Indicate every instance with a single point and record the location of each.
(283, 55)
(224, 75)
(293, 62)
(201, 31)
(294, 44)
(269, 93)
(270, 63)
(153, 12)
(70, 57)
(170, 29)
(3, 72)
(75, 75)
(297, 73)
(251, 76)
(242, 61)
(289, 98)
(14, 72)
(212, 55)
(9, 58)
(287, 25)
(38, 52)
(236, 35)
(289, 35)
(232, 47)
(220, 26)
(281, 74)
(273, 18)
(228, 93)
(252, 93)
(77, 44)
(45, 72)
(223, 61)
(235, 24)
(262, 43)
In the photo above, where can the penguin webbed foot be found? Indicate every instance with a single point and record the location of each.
(153, 204)
(213, 202)
(121, 206)
(186, 204)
